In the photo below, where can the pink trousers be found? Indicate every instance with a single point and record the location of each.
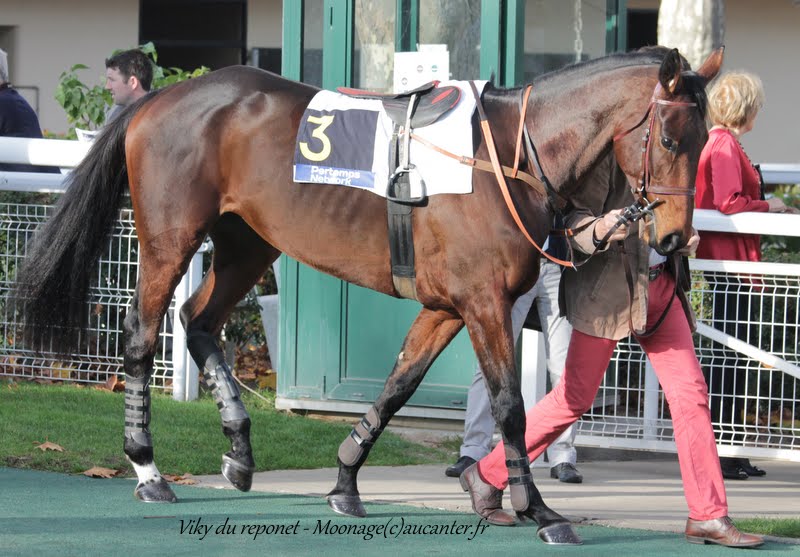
(671, 351)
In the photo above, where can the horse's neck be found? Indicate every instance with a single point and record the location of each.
(571, 140)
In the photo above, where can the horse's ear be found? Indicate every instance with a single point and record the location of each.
(669, 75)
(710, 68)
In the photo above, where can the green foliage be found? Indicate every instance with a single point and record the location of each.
(86, 106)
(244, 324)
(783, 249)
(162, 77)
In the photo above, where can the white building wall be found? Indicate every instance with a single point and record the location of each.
(46, 37)
(264, 23)
(764, 37)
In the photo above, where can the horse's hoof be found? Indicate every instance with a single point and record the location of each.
(155, 491)
(560, 533)
(240, 475)
(349, 505)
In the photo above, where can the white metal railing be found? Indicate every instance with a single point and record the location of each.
(630, 410)
(101, 353)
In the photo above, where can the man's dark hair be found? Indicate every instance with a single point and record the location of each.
(133, 62)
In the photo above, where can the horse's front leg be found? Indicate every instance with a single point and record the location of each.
(431, 332)
(490, 330)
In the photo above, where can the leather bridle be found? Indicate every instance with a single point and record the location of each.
(645, 185)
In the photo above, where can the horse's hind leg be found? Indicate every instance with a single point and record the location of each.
(159, 273)
(240, 258)
(431, 332)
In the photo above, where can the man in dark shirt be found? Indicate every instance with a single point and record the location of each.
(17, 118)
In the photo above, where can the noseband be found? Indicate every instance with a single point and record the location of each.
(645, 185)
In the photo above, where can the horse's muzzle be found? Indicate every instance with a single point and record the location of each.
(669, 244)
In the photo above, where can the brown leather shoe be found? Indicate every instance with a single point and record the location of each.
(720, 531)
(487, 500)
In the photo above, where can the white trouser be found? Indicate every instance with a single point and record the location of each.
(479, 423)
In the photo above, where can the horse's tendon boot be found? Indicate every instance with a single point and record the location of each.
(364, 434)
(519, 477)
(238, 466)
(151, 487)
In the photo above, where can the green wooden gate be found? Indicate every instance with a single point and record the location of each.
(338, 342)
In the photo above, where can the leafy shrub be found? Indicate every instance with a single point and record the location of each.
(783, 249)
(86, 106)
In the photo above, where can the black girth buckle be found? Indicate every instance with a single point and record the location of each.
(655, 271)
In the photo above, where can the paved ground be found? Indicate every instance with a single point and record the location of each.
(645, 493)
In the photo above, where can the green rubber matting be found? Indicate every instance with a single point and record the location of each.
(44, 513)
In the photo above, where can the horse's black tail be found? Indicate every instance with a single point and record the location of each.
(54, 278)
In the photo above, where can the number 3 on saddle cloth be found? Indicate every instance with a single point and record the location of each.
(357, 139)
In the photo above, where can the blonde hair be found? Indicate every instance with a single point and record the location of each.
(734, 99)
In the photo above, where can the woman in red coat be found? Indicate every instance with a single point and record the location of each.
(728, 182)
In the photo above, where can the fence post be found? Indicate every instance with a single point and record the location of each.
(185, 375)
(533, 375)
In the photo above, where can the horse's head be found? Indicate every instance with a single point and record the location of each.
(661, 163)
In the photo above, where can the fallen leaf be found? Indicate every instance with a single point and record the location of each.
(60, 370)
(112, 384)
(268, 381)
(109, 384)
(186, 479)
(100, 472)
(48, 446)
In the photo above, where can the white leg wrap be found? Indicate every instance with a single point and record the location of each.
(146, 472)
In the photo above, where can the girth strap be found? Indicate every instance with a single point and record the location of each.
(399, 205)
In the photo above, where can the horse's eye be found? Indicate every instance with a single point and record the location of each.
(668, 144)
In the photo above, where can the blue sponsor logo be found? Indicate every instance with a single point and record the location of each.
(337, 176)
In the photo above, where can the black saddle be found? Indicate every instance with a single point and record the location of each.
(432, 102)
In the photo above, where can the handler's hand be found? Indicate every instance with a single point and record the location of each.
(776, 205)
(691, 246)
(606, 223)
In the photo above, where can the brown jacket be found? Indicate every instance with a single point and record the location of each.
(595, 297)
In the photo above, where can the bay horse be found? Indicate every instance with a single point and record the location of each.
(213, 156)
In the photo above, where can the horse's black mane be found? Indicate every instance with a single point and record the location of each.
(652, 55)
